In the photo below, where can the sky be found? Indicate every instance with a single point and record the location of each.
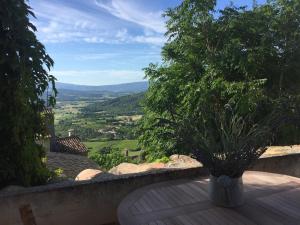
(101, 42)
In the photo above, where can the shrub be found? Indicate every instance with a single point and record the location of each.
(164, 159)
(108, 159)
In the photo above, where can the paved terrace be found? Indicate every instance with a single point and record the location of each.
(270, 199)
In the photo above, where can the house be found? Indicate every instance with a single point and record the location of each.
(71, 144)
(66, 153)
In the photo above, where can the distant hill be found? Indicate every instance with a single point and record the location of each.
(124, 105)
(72, 95)
(123, 88)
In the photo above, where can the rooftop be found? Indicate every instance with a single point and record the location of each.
(71, 164)
(70, 145)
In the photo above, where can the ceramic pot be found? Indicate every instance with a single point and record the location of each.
(226, 191)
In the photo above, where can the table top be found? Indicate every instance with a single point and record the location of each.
(269, 199)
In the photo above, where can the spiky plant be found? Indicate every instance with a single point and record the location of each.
(229, 143)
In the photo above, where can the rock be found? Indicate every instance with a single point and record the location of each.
(127, 168)
(123, 168)
(151, 166)
(88, 174)
(182, 161)
(177, 162)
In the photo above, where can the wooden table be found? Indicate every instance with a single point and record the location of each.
(269, 199)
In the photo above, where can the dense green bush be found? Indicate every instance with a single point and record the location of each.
(108, 157)
(24, 77)
(246, 58)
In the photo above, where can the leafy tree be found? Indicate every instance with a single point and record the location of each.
(108, 157)
(24, 77)
(246, 59)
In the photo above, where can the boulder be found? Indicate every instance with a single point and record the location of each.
(127, 168)
(182, 161)
(88, 174)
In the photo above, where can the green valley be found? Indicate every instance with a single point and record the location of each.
(101, 119)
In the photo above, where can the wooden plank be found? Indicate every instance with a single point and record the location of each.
(140, 207)
(185, 220)
(167, 196)
(146, 206)
(134, 210)
(193, 197)
(281, 206)
(159, 222)
(232, 216)
(152, 201)
(211, 219)
(182, 197)
(152, 223)
(259, 214)
(196, 192)
(199, 189)
(156, 195)
(196, 217)
(271, 199)
(172, 221)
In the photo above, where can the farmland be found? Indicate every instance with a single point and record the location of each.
(130, 145)
(101, 121)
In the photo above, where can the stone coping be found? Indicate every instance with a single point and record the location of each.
(109, 179)
(275, 151)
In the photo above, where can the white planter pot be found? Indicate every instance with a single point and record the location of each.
(225, 191)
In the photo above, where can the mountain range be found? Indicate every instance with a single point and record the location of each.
(135, 87)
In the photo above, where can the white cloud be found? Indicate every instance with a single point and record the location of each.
(59, 23)
(102, 77)
(96, 56)
(94, 39)
(126, 11)
(155, 40)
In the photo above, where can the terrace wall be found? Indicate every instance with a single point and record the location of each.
(95, 202)
(285, 164)
(79, 203)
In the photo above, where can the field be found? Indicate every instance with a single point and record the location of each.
(130, 145)
(100, 121)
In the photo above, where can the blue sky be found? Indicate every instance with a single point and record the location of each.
(100, 42)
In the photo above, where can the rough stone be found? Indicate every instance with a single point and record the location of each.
(274, 151)
(176, 161)
(88, 174)
(127, 168)
(182, 161)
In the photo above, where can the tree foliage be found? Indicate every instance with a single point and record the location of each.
(24, 77)
(238, 58)
(108, 157)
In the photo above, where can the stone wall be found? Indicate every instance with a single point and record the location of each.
(91, 202)
(288, 165)
(95, 202)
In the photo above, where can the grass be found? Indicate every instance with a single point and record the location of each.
(121, 144)
(68, 115)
